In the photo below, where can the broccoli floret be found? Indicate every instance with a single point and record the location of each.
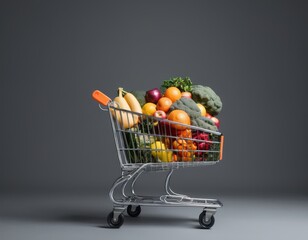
(204, 122)
(188, 105)
(208, 98)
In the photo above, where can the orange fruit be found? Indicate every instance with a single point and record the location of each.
(186, 133)
(173, 93)
(179, 116)
(164, 104)
(149, 108)
(202, 109)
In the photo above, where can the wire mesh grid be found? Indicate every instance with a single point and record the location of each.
(160, 143)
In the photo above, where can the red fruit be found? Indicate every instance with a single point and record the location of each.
(160, 114)
(186, 94)
(208, 115)
(202, 143)
(216, 121)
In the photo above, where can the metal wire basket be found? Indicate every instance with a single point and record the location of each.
(163, 143)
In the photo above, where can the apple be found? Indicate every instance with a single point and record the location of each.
(216, 121)
(208, 115)
(186, 94)
(160, 114)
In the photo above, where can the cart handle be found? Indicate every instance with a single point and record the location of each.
(101, 97)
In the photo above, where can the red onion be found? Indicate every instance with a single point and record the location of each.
(153, 95)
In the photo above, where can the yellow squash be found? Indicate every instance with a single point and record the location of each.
(125, 119)
(133, 104)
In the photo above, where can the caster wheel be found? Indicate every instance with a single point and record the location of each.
(133, 213)
(206, 224)
(115, 224)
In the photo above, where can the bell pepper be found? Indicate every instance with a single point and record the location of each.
(184, 149)
(159, 150)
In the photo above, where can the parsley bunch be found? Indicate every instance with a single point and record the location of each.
(184, 84)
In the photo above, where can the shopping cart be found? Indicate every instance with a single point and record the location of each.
(157, 144)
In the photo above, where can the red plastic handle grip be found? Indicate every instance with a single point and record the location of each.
(101, 97)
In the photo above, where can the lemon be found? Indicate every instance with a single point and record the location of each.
(160, 151)
(202, 109)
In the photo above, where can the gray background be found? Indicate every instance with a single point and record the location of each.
(53, 54)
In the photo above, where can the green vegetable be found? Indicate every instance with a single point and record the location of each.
(204, 122)
(190, 107)
(140, 95)
(137, 146)
(130, 143)
(208, 98)
(184, 84)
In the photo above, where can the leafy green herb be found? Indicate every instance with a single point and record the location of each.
(184, 84)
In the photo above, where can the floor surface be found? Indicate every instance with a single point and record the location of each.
(84, 217)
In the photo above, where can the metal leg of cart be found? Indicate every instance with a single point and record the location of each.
(116, 218)
(168, 189)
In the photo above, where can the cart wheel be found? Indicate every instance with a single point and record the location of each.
(133, 213)
(206, 224)
(115, 224)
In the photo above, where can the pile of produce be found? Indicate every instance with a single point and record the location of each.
(160, 129)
